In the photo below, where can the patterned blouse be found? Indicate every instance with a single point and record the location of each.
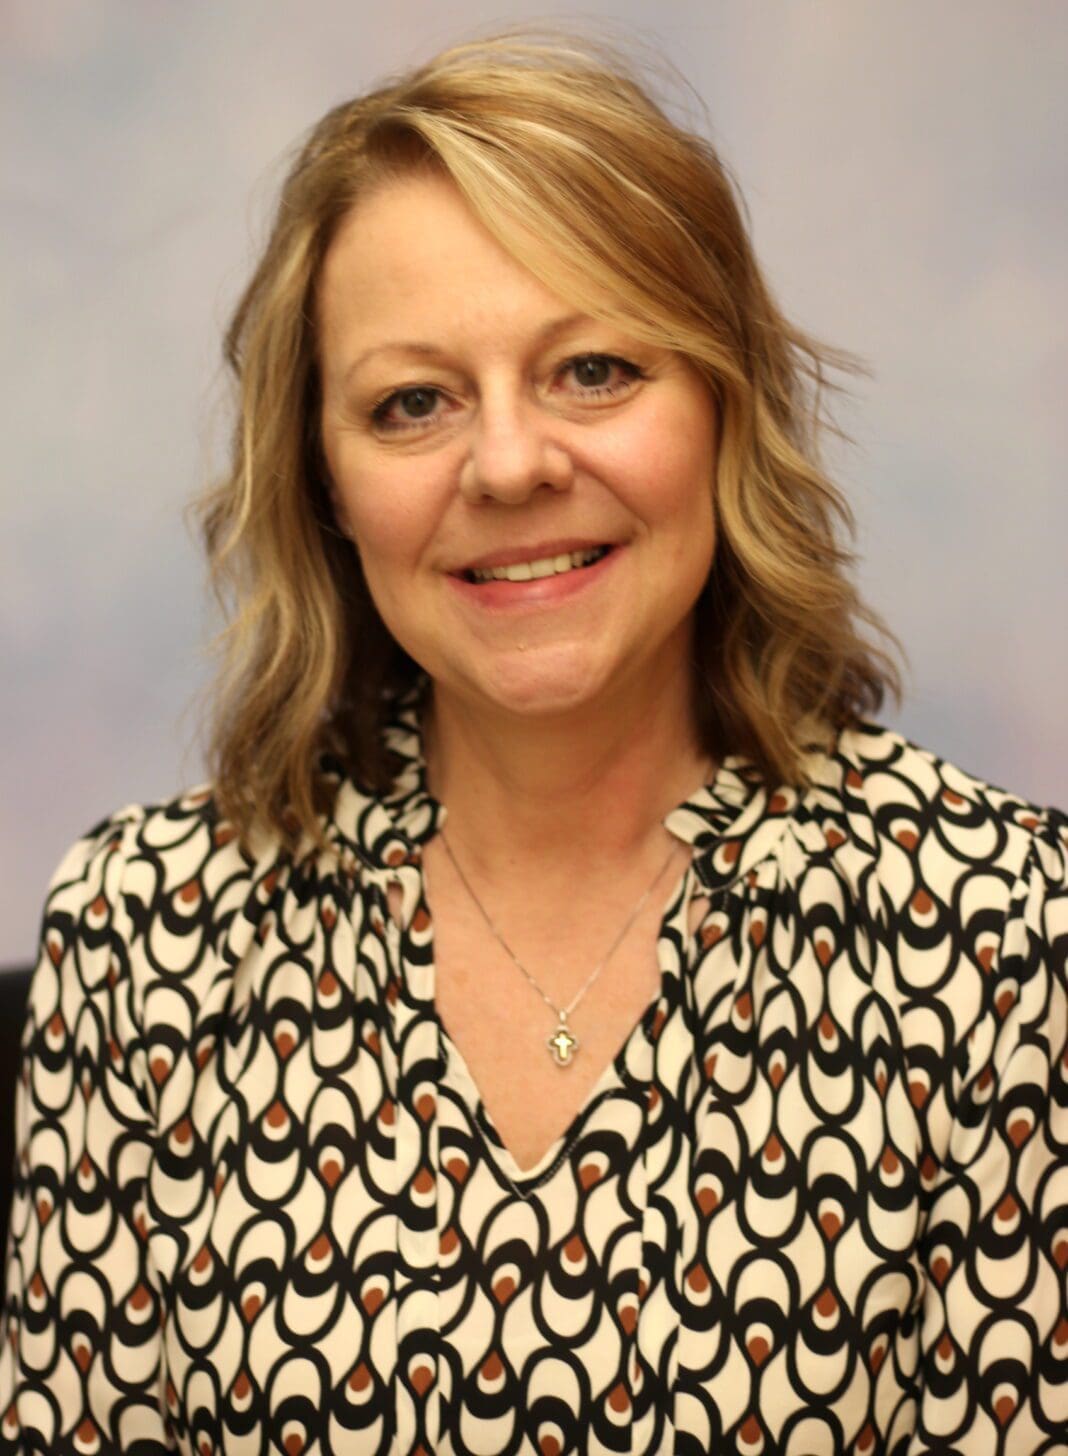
(817, 1204)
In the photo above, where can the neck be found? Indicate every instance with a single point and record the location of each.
(547, 797)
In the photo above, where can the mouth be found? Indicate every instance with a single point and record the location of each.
(563, 564)
(547, 584)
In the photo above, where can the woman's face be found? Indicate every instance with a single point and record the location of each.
(468, 413)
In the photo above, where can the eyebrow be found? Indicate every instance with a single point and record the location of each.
(419, 349)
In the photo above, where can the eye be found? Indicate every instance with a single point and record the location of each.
(594, 373)
(413, 408)
(413, 405)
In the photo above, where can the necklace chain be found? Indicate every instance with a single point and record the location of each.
(563, 1043)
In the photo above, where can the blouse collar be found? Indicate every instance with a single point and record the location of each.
(727, 821)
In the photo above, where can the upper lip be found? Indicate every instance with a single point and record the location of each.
(512, 555)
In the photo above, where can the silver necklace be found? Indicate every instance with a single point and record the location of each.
(563, 1043)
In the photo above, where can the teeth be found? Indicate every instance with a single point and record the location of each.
(544, 566)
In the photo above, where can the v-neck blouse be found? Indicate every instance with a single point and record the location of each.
(818, 1203)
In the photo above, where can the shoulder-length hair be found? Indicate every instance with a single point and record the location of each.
(561, 152)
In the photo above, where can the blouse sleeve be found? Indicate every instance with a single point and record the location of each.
(994, 1361)
(80, 1347)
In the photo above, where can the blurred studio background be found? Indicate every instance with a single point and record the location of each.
(903, 164)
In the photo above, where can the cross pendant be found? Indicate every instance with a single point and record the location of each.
(562, 1044)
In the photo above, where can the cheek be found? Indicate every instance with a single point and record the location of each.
(388, 539)
(391, 519)
(666, 471)
(680, 496)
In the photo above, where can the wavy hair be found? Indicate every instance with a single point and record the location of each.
(558, 147)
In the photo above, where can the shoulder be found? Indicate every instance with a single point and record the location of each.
(958, 892)
(925, 824)
(144, 859)
(174, 885)
(187, 828)
(959, 887)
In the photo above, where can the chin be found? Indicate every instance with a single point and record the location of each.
(533, 684)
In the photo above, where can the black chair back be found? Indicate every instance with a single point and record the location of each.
(14, 988)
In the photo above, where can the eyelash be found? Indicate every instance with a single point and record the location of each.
(380, 410)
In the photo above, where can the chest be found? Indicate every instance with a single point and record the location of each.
(763, 1225)
(501, 1024)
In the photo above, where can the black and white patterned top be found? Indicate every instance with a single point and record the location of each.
(818, 1204)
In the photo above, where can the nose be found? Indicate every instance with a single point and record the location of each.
(513, 451)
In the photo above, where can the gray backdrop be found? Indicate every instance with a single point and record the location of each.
(903, 166)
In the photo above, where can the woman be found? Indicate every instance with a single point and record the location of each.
(702, 1088)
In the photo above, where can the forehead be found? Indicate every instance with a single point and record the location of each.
(415, 244)
(413, 261)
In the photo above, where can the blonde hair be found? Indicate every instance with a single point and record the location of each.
(559, 150)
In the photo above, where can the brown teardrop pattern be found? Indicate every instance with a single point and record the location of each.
(309, 1206)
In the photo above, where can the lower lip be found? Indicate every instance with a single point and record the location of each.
(539, 591)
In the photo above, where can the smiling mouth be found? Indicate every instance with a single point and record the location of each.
(547, 566)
